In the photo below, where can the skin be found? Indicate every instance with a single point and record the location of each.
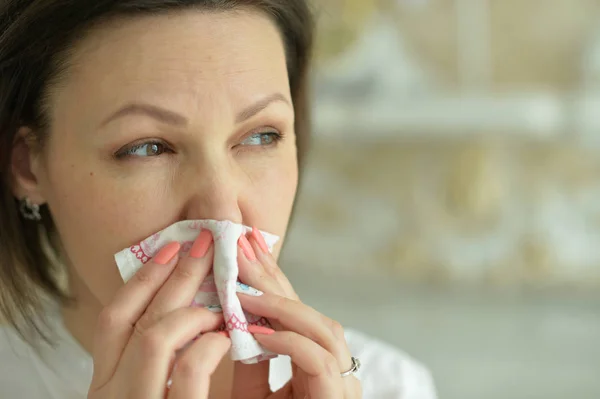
(220, 85)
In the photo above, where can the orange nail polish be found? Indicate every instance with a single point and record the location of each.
(167, 253)
(258, 237)
(201, 245)
(260, 330)
(247, 248)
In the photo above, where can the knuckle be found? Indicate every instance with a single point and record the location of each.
(336, 328)
(108, 319)
(143, 277)
(282, 302)
(189, 368)
(194, 367)
(182, 273)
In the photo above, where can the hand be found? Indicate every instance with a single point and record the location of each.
(315, 343)
(140, 333)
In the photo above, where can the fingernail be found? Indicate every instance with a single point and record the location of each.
(247, 290)
(201, 245)
(247, 248)
(224, 334)
(260, 240)
(167, 253)
(260, 330)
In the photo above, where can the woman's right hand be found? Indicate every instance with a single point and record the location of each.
(150, 319)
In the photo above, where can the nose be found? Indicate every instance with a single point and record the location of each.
(215, 192)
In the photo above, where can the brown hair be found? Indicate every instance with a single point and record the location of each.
(35, 38)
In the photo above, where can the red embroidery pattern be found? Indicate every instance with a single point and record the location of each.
(139, 253)
(257, 320)
(236, 324)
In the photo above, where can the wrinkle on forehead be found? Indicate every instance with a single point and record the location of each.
(217, 58)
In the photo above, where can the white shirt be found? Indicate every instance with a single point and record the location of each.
(65, 370)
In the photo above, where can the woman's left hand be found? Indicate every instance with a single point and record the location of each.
(315, 343)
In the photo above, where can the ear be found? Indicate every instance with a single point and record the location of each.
(25, 162)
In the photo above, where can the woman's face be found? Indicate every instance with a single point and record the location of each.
(162, 119)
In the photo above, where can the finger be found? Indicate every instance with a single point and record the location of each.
(183, 284)
(150, 354)
(192, 373)
(265, 257)
(323, 374)
(116, 321)
(252, 272)
(255, 377)
(297, 317)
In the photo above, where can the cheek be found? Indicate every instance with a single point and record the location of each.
(273, 194)
(93, 213)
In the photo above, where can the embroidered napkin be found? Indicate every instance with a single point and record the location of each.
(218, 292)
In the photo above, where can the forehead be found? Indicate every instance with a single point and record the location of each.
(181, 55)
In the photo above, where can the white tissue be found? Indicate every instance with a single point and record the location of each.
(218, 291)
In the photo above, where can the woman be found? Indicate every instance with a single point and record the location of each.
(117, 119)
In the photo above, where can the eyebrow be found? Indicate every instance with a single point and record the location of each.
(158, 113)
(173, 118)
(259, 106)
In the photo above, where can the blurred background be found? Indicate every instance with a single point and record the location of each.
(451, 204)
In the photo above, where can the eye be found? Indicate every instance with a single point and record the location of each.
(143, 150)
(262, 139)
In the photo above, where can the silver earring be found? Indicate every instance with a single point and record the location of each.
(29, 210)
